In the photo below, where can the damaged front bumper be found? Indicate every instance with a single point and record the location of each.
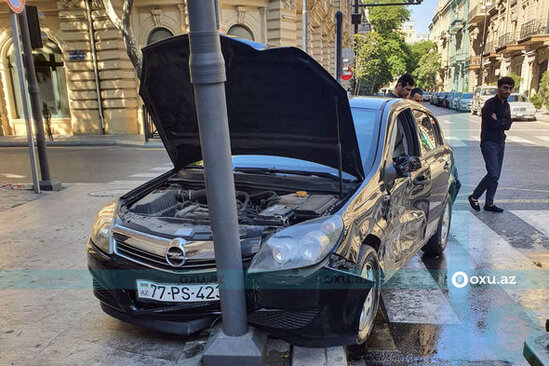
(316, 306)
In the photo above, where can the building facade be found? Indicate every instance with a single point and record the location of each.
(409, 30)
(509, 36)
(439, 32)
(459, 46)
(86, 80)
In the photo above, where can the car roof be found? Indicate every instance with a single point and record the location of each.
(371, 102)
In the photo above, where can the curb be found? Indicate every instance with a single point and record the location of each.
(331, 356)
(148, 145)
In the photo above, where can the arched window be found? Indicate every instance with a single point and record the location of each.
(240, 31)
(158, 34)
(52, 82)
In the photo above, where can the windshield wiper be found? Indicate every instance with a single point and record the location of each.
(285, 171)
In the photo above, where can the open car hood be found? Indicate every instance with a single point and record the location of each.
(280, 102)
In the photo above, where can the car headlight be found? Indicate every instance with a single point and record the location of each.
(298, 246)
(101, 231)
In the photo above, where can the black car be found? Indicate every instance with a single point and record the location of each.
(440, 99)
(447, 100)
(333, 196)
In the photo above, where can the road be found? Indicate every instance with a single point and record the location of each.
(424, 317)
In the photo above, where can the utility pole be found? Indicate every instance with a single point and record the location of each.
(339, 32)
(46, 184)
(236, 344)
(26, 114)
(304, 25)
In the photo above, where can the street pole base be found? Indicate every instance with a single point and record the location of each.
(50, 185)
(246, 350)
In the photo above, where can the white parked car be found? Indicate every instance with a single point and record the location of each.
(465, 102)
(521, 108)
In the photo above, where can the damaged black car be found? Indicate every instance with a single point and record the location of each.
(333, 196)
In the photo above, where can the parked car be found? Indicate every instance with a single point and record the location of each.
(434, 97)
(426, 96)
(315, 226)
(447, 99)
(440, 98)
(481, 95)
(465, 102)
(455, 100)
(521, 108)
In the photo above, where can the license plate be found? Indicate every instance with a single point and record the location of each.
(177, 293)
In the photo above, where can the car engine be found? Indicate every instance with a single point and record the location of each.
(265, 208)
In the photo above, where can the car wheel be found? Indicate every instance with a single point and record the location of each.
(437, 243)
(370, 271)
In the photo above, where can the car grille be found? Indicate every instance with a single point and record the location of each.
(282, 319)
(153, 260)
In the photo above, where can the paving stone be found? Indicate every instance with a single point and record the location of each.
(123, 358)
(65, 350)
(20, 343)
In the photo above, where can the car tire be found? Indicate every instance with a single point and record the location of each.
(370, 270)
(437, 243)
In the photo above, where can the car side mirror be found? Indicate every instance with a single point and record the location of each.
(404, 165)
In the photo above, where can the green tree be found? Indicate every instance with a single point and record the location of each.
(418, 50)
(387, 19)
(371, 62)
(517, 79)
(542, 96)
(425, 73)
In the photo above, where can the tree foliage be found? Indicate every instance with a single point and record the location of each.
(387, 19)
(542, 97)
(517, 79)
(371, 63)
(425, 73)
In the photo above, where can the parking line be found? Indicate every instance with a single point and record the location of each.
(144, 175)
(132, 183)
(520, 140)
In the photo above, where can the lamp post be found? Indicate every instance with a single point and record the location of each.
(485, 7)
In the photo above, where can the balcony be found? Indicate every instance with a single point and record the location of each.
(533, 28)
(507, 39)
(489, 48)
(474, 62)
(477, 14)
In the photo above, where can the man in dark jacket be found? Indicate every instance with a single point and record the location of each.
(404, 86)
(496, 118)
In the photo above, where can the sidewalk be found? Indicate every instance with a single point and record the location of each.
(86, 140)
(48, 314)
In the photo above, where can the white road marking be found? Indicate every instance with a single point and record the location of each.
(538, 219)
(456, 142)
(519, 140)
(161, 169)
(423, 303)
(10, 175)
(132, 183)
(144, 175)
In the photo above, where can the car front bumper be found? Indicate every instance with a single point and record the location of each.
(316, 306)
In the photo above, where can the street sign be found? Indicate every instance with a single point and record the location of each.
(347, 74)
(16, 5)
(348, 55)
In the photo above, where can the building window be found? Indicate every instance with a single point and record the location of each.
(158, 34)
(52, 82)
(241, 32)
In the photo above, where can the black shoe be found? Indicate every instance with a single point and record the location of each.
(474, 204)
(493, 208)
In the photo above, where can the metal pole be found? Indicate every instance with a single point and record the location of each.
(46, 183)
(207, 68)
(339, 63)
(483, 48)
(305, 25)
(95, 66)
(21, 76)
(356, 11)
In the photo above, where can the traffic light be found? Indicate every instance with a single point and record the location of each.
(356, 18)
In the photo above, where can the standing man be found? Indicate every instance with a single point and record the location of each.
(403, 88)
(496, 118)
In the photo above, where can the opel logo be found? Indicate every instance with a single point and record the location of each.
(175, 255)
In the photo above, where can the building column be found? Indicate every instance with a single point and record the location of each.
(281, 23)
(263, 14)
(527, 72)
(505, 68)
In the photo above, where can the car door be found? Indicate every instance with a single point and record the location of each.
(406, 219)
(434, 156)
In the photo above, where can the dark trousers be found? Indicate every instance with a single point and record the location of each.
(493, 157)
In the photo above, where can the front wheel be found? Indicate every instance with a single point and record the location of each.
(372, 272)
(437, 242)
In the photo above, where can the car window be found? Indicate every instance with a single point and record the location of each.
(516, 98)
(489, 91)
(366, 123)
(402, 142)
(437, 130)
(467, 96)
(426, 132)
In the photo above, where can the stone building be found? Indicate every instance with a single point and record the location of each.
(86, 79)
(516, 40)
(439, 32)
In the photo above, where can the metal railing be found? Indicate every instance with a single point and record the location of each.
(489, 48)
(150, 129)
(533, 27)
(507, 40)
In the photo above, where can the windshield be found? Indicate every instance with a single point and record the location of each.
(516, 98)
(467, 96)
(489, 91)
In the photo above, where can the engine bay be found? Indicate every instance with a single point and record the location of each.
(255, 207)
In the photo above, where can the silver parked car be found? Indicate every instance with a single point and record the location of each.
(481, 95)
(465, 102)
(455, 100)
(521, 108)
